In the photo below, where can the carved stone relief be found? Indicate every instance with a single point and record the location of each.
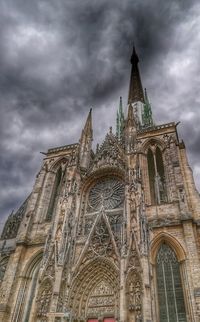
(134, 288)
(101, 243)
(101, 300)
(13, 222)
(95, 290)
(3, 265)
(43, 300)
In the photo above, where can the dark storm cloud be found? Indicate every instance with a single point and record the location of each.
(59, 58)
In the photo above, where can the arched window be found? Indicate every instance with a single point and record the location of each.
(24, 306)
(169, 286)
(156, 176)
(54, 194)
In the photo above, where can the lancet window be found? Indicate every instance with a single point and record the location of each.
(169, 286)
(25, 303)
(156, 171)
(54, 194)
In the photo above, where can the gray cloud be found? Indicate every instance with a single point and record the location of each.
(59, 58)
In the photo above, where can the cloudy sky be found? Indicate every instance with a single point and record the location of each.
(58, 58)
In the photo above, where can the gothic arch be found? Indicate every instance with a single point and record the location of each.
(171, 241)
(56, 164)
(102, 173)
(112, 181)
(155, 176)
(27, 289)
(100, 275)
(156, 141)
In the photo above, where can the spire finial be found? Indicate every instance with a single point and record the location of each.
(135, 89)
(134, 56)
(87, 130)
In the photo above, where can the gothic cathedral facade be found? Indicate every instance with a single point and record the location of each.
(111, 235)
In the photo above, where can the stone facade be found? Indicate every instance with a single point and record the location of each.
(110, 235)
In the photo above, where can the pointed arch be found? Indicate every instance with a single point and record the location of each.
(154, 151)
(151, 171)
(54, 182)
(54, 193)
(153, 142)
(26, 295)
(164, 237)
(169, 285)
(57, 163)
(87, 288)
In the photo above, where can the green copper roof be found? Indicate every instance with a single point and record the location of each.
(147, 119)
(120, 120)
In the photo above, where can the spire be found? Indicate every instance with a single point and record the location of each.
(87, 131)
(86, 142)
(135, 89)
(147, 119)
(120, 120)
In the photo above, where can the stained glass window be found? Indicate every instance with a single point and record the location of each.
(170, 292)
(54, 194)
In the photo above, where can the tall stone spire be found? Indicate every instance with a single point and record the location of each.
(86, 142)
(135, 88)
(87, 131)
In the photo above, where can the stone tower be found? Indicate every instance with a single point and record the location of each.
(110, 235)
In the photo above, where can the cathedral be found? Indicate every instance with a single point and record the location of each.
(107, 235)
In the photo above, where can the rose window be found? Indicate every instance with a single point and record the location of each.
(107, 193)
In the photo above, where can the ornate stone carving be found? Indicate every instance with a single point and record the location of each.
(135, 295)
(101, 300)
(3, 265)
(43, 299)
(95, 290)
(101, 244)
(115, 221)
(13, 222)
(109, 154)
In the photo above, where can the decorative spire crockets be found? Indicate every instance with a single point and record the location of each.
(135, 89)
(120, 120)
(147, 119)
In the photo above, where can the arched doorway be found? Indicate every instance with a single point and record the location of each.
(95, 292)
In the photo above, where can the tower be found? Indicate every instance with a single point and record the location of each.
(111, 235)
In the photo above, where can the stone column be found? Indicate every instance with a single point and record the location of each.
(193, 266)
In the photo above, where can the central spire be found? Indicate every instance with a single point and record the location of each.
(136, 93)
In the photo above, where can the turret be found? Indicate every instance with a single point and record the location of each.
(120, 120)
(86, 143)
(130, 130)
(147, 119)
